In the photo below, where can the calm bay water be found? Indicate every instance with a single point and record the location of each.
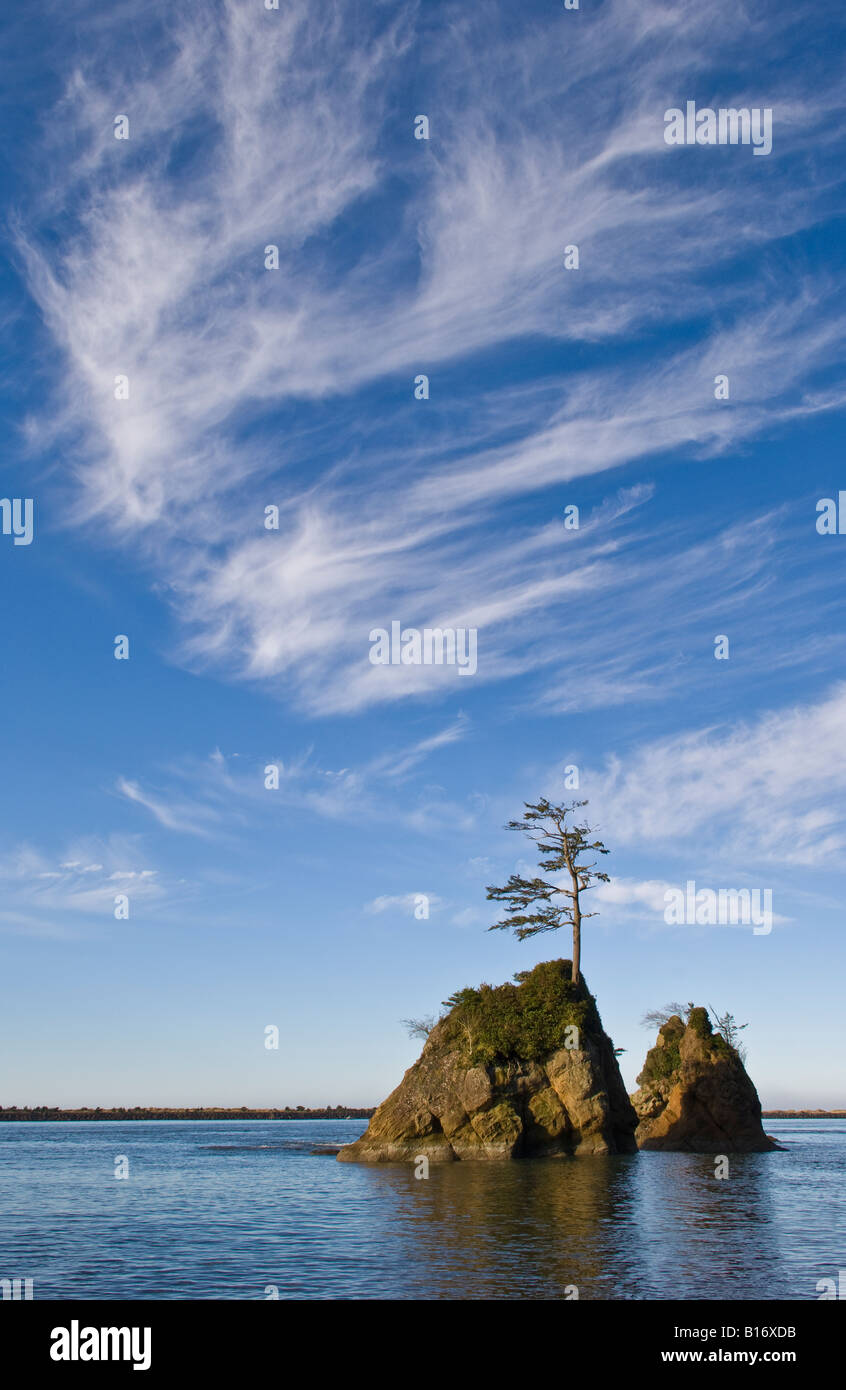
(225, 1209)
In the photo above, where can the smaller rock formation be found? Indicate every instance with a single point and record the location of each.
(516, 1071)
(695, 1095)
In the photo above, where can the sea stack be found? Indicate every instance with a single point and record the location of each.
(695, 1095)
(514, 1071)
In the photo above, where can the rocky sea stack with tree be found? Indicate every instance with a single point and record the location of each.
(510, 1072)
(527, 1070)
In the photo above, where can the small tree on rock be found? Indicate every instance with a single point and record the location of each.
(563, 847)
(729, 1028)
(419, 1027)
(656, 1018)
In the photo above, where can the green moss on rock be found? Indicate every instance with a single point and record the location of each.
(664, 1059)
(526, 1020)
(699, 1021)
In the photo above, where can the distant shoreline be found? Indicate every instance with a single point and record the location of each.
(141, 1112)
(803, 1114)
(331, 1112)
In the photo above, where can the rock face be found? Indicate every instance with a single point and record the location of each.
(695, 1094)
(501, 1077)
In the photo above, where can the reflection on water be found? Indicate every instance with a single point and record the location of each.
(224, 1210)
(634, 1226)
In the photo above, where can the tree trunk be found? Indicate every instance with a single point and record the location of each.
(577, 915)
(577, 939)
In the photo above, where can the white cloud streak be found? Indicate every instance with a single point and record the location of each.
(766, 791)
(256, 127)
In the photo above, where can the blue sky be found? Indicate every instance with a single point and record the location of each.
(293, 388)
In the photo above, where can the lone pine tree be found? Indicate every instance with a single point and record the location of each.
(563, 846)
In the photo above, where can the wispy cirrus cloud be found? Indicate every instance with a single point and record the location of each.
(46, 894)
(261, 127)
(404, 903)
(188, 817)
(398, 764)
(768, 790)
(227, 792)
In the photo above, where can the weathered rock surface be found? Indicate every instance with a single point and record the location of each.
(695, 1094)
(497, 1080)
